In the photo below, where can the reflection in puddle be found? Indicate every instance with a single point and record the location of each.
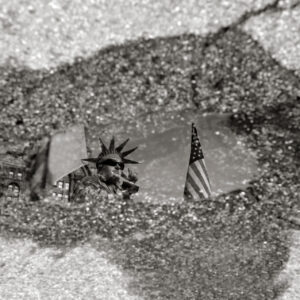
(164, 149)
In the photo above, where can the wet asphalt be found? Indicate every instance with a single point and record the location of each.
(231, 248)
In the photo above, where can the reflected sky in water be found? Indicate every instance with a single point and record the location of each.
(164, 149)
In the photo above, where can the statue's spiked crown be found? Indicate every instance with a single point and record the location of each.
(112, 153)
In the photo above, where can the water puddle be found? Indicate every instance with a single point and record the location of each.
(164, 149)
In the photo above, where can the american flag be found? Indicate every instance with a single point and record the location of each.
(197, 183)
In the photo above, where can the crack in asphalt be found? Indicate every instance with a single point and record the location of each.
(211, 39)
(294, 5)
(271, 7)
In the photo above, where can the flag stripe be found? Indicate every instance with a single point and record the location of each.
(191, 191)
(203, 164)
(199, 168)
(200, 177)
(198, 181)
(195, 187)
(199, 172)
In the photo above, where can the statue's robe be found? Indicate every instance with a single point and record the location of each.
(92, 184)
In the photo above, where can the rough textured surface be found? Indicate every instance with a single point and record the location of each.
(236, 246)
(172, 244)
(279, 33)
(292, 271)
(43, 34)
(128, 84)
(30, 272)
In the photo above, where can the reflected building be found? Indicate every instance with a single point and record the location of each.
(63, 189)
(13, 183)
(12, 177)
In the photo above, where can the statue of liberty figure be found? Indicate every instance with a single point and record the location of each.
(110, 177)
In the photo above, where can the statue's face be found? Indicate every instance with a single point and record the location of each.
(110, 170)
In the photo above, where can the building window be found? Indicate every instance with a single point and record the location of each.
(54, 194)
(59, 195)
(66, 197)
(16, 191)
(20, 176)
(13, 190)
(10, 174)
(67, 185)
(60, 184)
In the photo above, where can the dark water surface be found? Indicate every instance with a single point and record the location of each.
(164, 149)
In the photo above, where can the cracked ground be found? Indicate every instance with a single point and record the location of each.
(106, 64)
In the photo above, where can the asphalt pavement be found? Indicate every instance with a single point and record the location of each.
(110, 63)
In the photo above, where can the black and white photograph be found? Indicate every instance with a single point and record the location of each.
(150, 150)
